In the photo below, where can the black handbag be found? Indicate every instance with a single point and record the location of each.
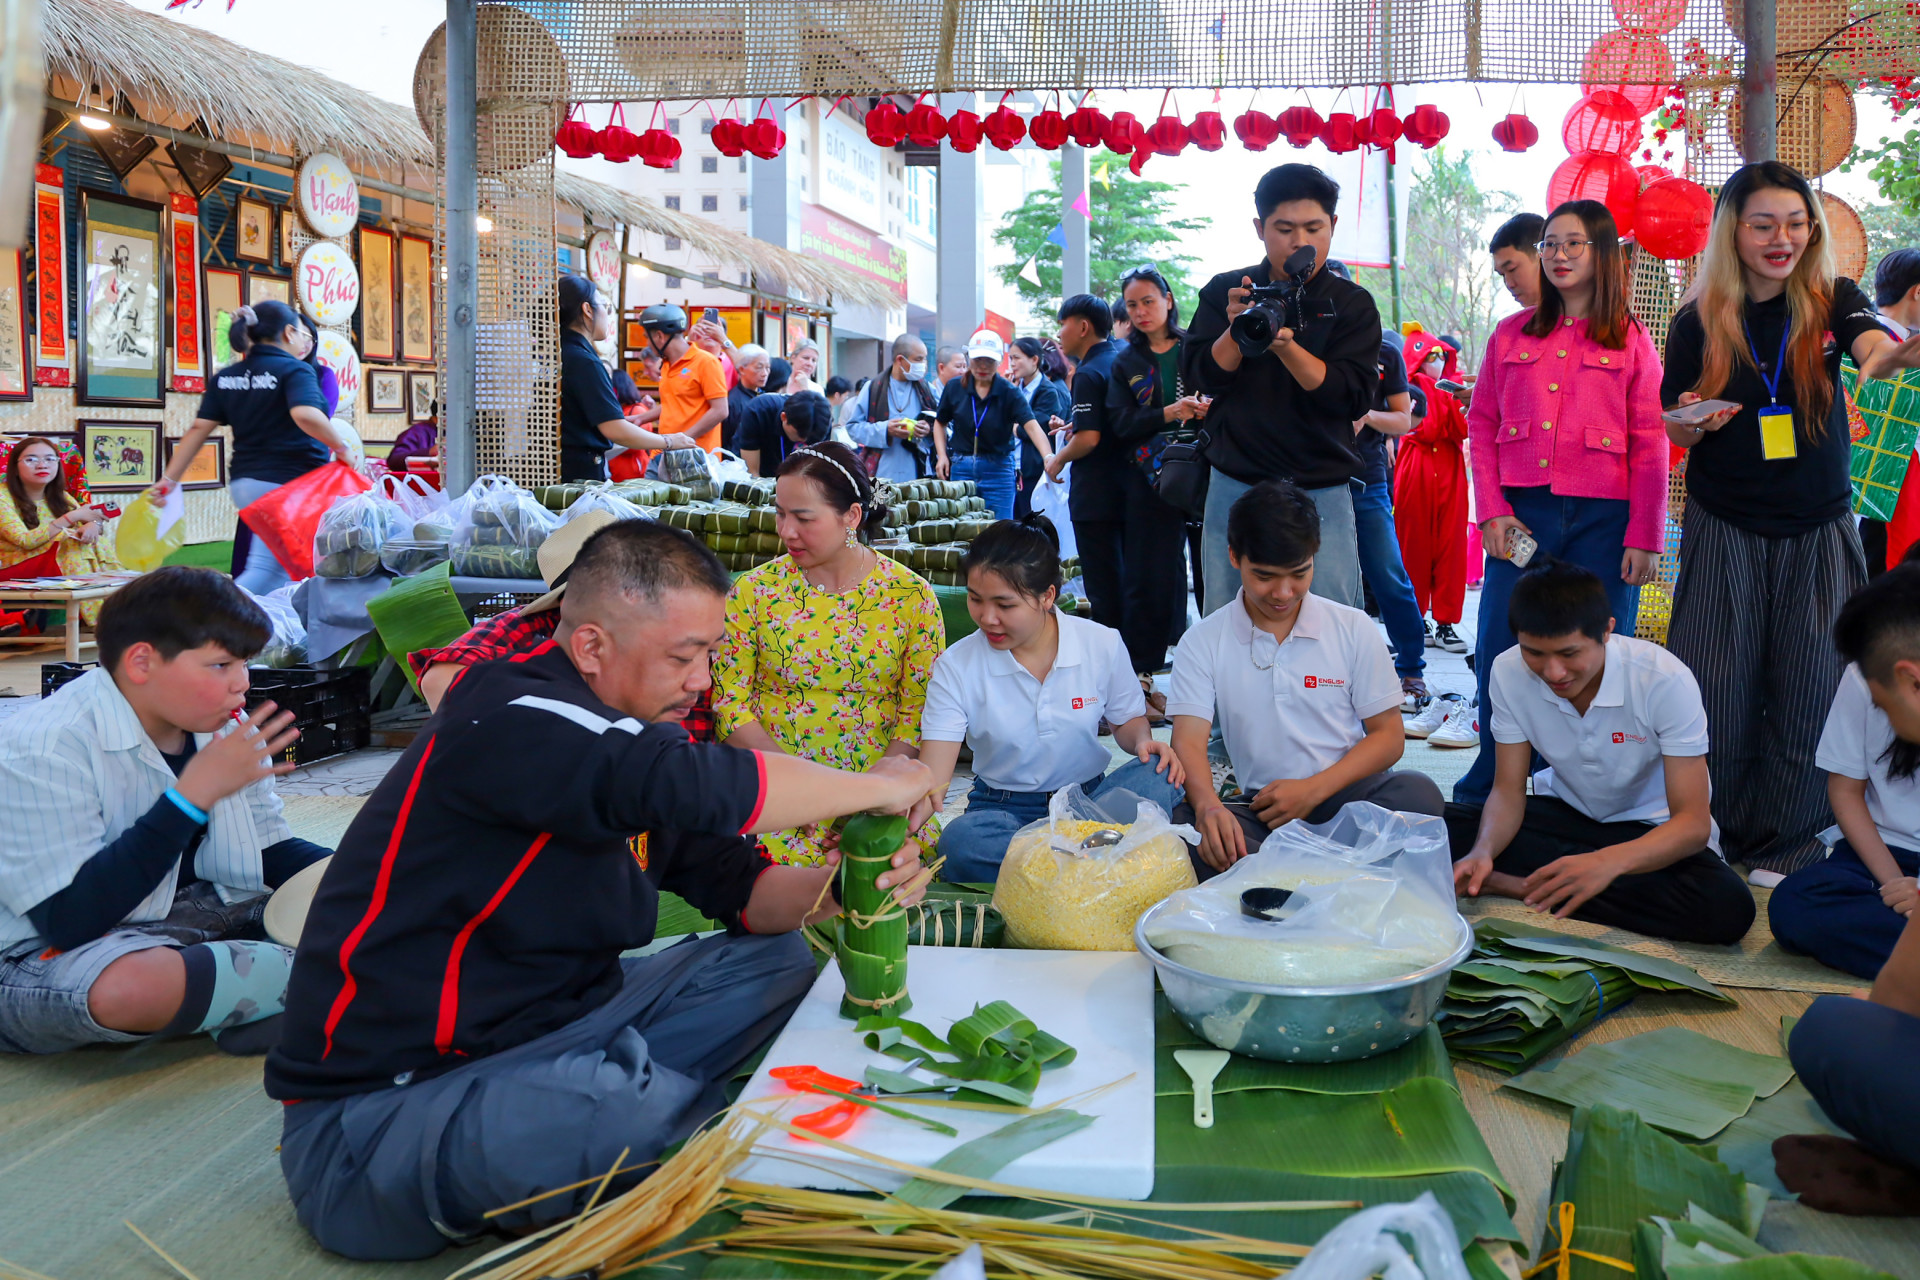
(1181, 476)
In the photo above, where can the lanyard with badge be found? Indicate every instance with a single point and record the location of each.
(979, 418)
(1777, 442)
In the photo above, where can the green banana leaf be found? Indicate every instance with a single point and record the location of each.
(678, 916)
(1674, 1077)
(1421, 1127)
(1705, 1248)
(1746, 1145)
(1664, 974)
(418, 613)
(987, 1155)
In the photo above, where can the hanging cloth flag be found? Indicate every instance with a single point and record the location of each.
(1101, 174)
(1031, 272)
(1058, 235)
(1080, 206)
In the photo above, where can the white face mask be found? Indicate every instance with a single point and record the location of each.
(916, 371)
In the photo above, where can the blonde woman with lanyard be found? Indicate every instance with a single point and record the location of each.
(829, 648)
(1769, 550)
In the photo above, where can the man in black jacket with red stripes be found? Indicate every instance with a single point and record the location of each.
(461, 1031)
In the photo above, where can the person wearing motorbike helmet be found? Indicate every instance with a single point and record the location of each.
(693, 387)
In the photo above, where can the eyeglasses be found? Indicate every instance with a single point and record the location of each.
(1571, 250)
(1767, 228)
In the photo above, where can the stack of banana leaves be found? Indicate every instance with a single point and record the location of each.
(1628, 1198)
(1524, 992)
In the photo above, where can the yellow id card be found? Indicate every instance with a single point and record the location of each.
(1776, 435)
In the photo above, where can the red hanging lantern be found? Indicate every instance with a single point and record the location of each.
(1595, 175)
(1673, 218)
(1300, 126)
(729, 137)
(1651, 173)
(576, 136)
(926, 127)
(1004, 128)
(1383, 129)
(964, 131)
(1207, 131)
(1048, 129)
(1426, 125)
(1139, 161)
(617, 142)
(1516, 133)
(1638, 67)
(765, 137)
(1123, 134)
(886, 124)
(1649, 17)
(659, 149)
(1168, 135)
(1341, 133)
(1088, 126)
(1256, 129)
(1601, 121)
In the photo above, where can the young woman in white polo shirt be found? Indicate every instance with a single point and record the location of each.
(1617, 830)
(1308, 700)
(1847, 911)
(1027, 692)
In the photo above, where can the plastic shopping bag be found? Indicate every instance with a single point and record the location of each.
(1050, 500)
(287, 518)
(501, 531)
(1374, 1242)
(412, 494)
(347, 544)
(151, 532)
(1056, 894)
(598, 499)
(287, 647)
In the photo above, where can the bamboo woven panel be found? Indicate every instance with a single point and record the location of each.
(1757, 963)
(626, 50)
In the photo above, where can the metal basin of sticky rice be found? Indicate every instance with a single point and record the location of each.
(1302, 1024)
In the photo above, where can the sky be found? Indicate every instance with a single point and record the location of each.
(373, 44)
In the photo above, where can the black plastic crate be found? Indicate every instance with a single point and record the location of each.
(55, 674)
(331, 709)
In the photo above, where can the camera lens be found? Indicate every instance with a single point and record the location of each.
(1254, 329)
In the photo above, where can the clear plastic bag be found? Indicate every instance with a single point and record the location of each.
(1371, 899)
(405, 557)
(348, 541)
(604, 500)
(727, 466)
(287, 646)
(499, 531)
(416, 498)
(1370, 1243)
(1058, 895)
(688, 466)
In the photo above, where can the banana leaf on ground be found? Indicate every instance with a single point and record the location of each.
(1701, 1247)
(1673, 1077)
(1425, 1055)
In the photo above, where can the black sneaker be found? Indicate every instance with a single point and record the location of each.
(1426, 626)
(1445, 637)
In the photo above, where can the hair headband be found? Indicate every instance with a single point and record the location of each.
(851, 482)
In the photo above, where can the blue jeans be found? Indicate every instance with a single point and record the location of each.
(975, 843)
(1336, 569)
(1384, 571)
(1589, 532)
(994, 475)
(1832, 911)
(263, 573)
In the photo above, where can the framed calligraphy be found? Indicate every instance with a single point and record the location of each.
(122, 352)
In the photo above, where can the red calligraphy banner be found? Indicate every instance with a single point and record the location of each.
(53, 350)
(187, 372)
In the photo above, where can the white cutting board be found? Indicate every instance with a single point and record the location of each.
(1100, 1002)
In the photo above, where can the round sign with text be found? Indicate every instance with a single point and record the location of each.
(328, 194)
(327, 283)
(603, 264)
(337, 353)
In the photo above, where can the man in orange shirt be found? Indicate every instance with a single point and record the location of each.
(693, 389)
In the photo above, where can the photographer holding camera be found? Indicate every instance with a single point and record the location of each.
(1288, 352)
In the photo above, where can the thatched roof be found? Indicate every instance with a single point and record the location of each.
(609, 204)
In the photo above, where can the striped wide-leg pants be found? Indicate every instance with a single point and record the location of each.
(1753, 619)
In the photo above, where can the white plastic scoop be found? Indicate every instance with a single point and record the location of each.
(1201, 1066)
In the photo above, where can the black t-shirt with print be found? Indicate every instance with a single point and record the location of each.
(997, 418)
(256, 397)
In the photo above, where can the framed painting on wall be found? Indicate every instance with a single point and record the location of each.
(416, 299)
(423, 390)
(269, 289)
(378, 338)
(121, 457)
(202, 170)
(253, 231)
(208, 470)
(121, 351)
(16, 369)
(386, 390)
(225, 290)
(289, 222)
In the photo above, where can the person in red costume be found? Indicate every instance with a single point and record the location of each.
(1430, 489)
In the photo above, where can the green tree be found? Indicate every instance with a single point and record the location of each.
(1446, 275)
(1132, 225)
(1894, 166)
(1889, 227)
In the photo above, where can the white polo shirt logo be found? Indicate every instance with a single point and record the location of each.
(1629, 737)
(1325, 682)
(1081, 704)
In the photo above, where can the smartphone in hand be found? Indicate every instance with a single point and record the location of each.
(1699, 411)
(1521, 548)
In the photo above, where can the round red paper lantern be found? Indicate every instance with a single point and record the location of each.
(964, 131)
(1048, 130)
(1341, 133)
(617, 142)
(576, 136)
(1124, 134)
(1516, 133)
(1672, 218)
(1603, 120)
(1426, 125)
(1595, 175)
(926, 127)
(1638, 67)
(1004, 128)
(1208, 131)
(729, 137)
(765, 138)
(1141, 154)
(1649, 17)
(1300, 126)
(1256, 129)
(1383, 129)
(1650, 174)
(1088, 126)
(659, 149)
(886, 125)
(1168, 135)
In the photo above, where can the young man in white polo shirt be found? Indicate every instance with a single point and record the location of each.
(1308, 700)
(1617, 830)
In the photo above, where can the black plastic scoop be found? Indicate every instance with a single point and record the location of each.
(1264, 903)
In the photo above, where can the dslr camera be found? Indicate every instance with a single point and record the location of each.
(1276, 306)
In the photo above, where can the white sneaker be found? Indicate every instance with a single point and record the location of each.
(1461, 728)
(1433, 715)
(1764, 879)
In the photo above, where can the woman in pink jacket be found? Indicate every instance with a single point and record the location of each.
(1566, 440)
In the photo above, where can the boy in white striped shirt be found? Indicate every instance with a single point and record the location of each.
(139, 834)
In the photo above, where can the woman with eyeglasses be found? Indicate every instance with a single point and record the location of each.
(1567, 447)
(1149, 406)
(1770, 551)
(1035, 366)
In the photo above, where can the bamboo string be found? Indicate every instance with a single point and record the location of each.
(1562, 1257)
(164, 1255)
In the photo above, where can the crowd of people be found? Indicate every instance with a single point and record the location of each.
(458, 1030)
